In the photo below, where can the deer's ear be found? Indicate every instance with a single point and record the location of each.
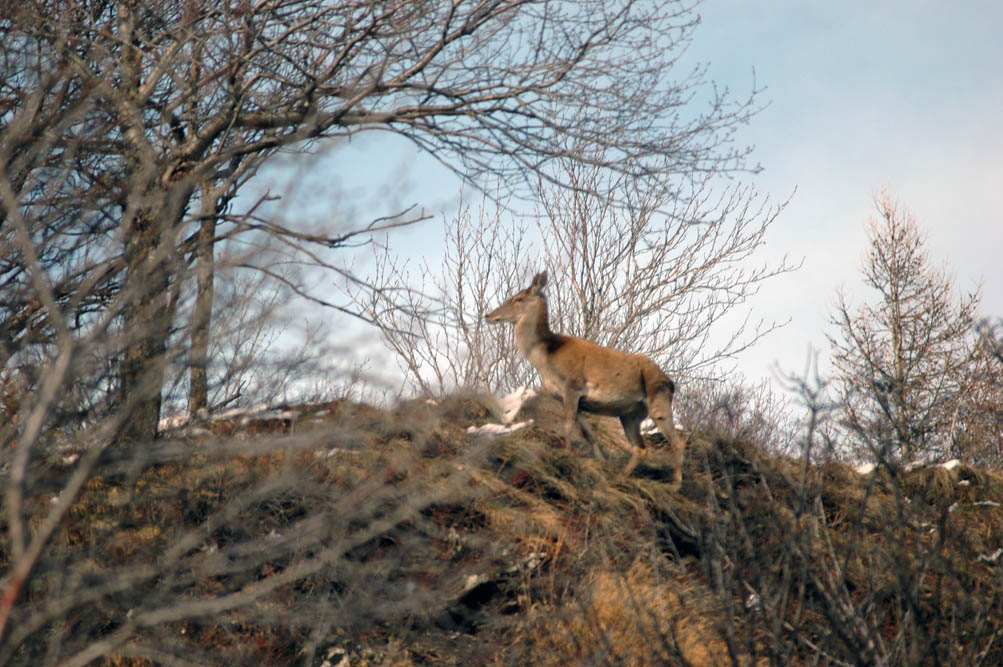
(539, 282)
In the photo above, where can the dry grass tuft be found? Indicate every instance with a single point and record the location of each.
(634, 617)
(395, 537)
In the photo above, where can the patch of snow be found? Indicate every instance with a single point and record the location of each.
(512, 403)
(334, 451)
(336, 657)
(275, 414)
(865, 468)
(990, 558)
(986, 503)
(498, 429)
(472, 581)
(950, 465)
(535, 559)
(648, 427)
(174, 421)
(234, 413)
(528, 564)
(244, 415)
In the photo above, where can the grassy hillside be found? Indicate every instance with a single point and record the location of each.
(342, 534)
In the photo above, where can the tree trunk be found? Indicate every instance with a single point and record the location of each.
(146, 328)
(202, 317)
(151, 291)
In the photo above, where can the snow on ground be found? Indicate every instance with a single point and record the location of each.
(334, 451)
(498, 429)
(868, 468)
(512, 403)
(990, 558)
(648, 427)
(235, 413)
(174, 421)
(258, 412)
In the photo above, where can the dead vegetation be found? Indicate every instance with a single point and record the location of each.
(395, 537)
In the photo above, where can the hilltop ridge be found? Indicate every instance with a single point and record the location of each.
(344, 534)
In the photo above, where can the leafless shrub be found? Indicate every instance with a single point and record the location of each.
(434, 325)
(816, 562)
(738, 409)
(626, 273)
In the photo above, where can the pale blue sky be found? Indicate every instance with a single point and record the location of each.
(862, 96)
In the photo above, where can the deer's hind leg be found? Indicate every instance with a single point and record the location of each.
(660, 409)
(632, 429)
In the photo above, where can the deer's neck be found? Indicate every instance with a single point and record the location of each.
(532, 329)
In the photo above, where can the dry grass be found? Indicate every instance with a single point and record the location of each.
(638, 617)
(394, 537)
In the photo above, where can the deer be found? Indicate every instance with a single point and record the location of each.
(590, 378)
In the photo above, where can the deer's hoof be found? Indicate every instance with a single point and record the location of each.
(630, 465)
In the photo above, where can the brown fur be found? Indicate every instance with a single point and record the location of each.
(591, 378)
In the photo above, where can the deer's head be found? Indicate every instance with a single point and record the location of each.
(521, 303)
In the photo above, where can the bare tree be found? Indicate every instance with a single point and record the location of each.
(906, 365)
(119, 118)
(660, 273)
(656, 271)
(981, 430)
(992, 336)
(434, 324)
(129, 134)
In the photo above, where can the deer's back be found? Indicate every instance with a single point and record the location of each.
(611, 381)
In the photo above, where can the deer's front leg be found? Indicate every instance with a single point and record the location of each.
(590, 435)
(571, 398)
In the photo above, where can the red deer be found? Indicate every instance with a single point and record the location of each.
(591, 378)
